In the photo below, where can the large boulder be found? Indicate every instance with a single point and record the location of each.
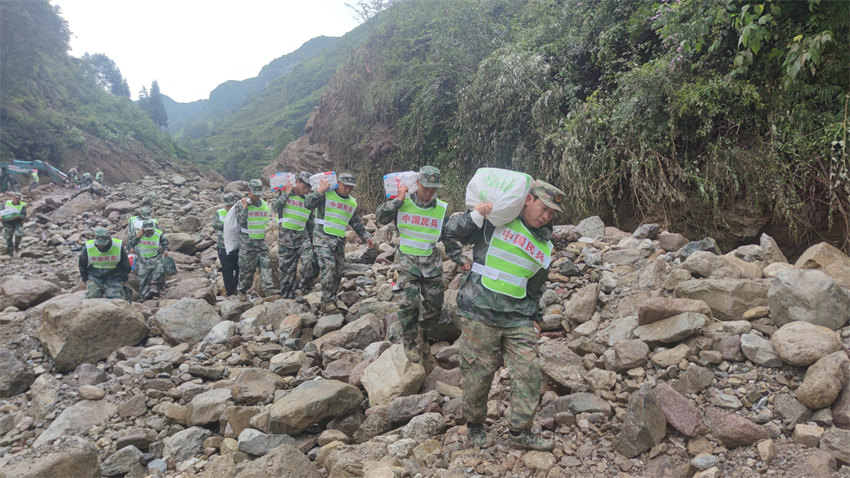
(24, 293)
(824, 381)
(68, 456)
(88, 331)
(802, 343)
(808, 295)
(84, 202)
(15, 375)
(728, 298)
(312, 402)
(658, 308)
(706, 264)
(181, 242)
(828, 259)
(285, 461)
(77, 419)
(189, 321)
(392, 375)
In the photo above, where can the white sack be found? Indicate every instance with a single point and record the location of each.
(231, 231)
(506, 190)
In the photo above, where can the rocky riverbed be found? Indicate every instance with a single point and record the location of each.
(662, 357)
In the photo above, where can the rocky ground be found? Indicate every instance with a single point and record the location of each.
(661, 356)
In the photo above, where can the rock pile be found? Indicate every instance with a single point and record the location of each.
(661, 357)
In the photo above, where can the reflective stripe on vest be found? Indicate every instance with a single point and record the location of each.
(420, 228)
(11, 211)
(258, 220)
(514, 256)
(338, 211)
(104, 260)
(149, 245)
(222, 213)
(295, 215)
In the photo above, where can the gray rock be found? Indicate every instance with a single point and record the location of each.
(15, 375)
(810, 296)
(189, 321)
(257, 443)
(644, 426)
(185, 444)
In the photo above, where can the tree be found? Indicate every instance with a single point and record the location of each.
(152, 104)
(366, 9)
(106, 74)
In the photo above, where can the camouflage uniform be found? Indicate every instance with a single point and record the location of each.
(293, 245)
(105, 282)
(497, 326)
(330, 249)
(253, 253)
(150, 269)
(419, 275)
(13, 228)
(229, 261)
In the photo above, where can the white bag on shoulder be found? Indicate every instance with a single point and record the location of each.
(230, 233)
(506, 190)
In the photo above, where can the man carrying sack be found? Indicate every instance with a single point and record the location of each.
(499, 302)
(420, 219)
(293, 236)
(253, 215)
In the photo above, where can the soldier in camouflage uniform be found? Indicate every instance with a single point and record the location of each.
(229, 261)
(134, 223)
(104, 267)
(420, 220)
(253, 215)
(152, 247)
(12, 215)
(499, 304)
(334, 211)
(293, 236)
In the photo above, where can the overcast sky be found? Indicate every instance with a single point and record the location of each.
(192, 46)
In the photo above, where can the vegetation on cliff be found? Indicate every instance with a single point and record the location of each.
(692, 112)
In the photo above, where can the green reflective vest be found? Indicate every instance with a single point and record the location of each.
(104, 260)
(295, 215)
(98, 176)
(514, 256)
(258, 220)
(222, 213)
(149, 245)
(338, 211)
(11, 211)
(420, 228)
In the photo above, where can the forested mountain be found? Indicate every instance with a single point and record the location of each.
(720, 117)
(239, 143)
(64, 110)
(198, 117)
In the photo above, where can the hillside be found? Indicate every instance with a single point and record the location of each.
(718, 118)
(52, 107)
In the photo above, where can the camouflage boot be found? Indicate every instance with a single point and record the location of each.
(478, 435)
(411, 350)
(525, 440)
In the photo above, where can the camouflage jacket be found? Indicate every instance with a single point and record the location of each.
(420, 266)
(163, 245)
(316, 201)
(122, 270)
(218, 225)
(242, 219)
(479, 303)
(288, 237)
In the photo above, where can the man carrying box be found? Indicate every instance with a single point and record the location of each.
(420, 222)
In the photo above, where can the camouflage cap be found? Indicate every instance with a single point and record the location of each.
(305, 177)
(255, 186)
(550, 195)
(147, 224)
(102, 236)
(228, 198)
(17, 195)
(347, 179)
(145, 212)
(429, 177)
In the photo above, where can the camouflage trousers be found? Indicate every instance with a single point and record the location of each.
(252, 255)
(482, 349)
(288, 259)
(416, 292)
(150, 272)
(13, 234)
(331, 264)
(110, 288)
